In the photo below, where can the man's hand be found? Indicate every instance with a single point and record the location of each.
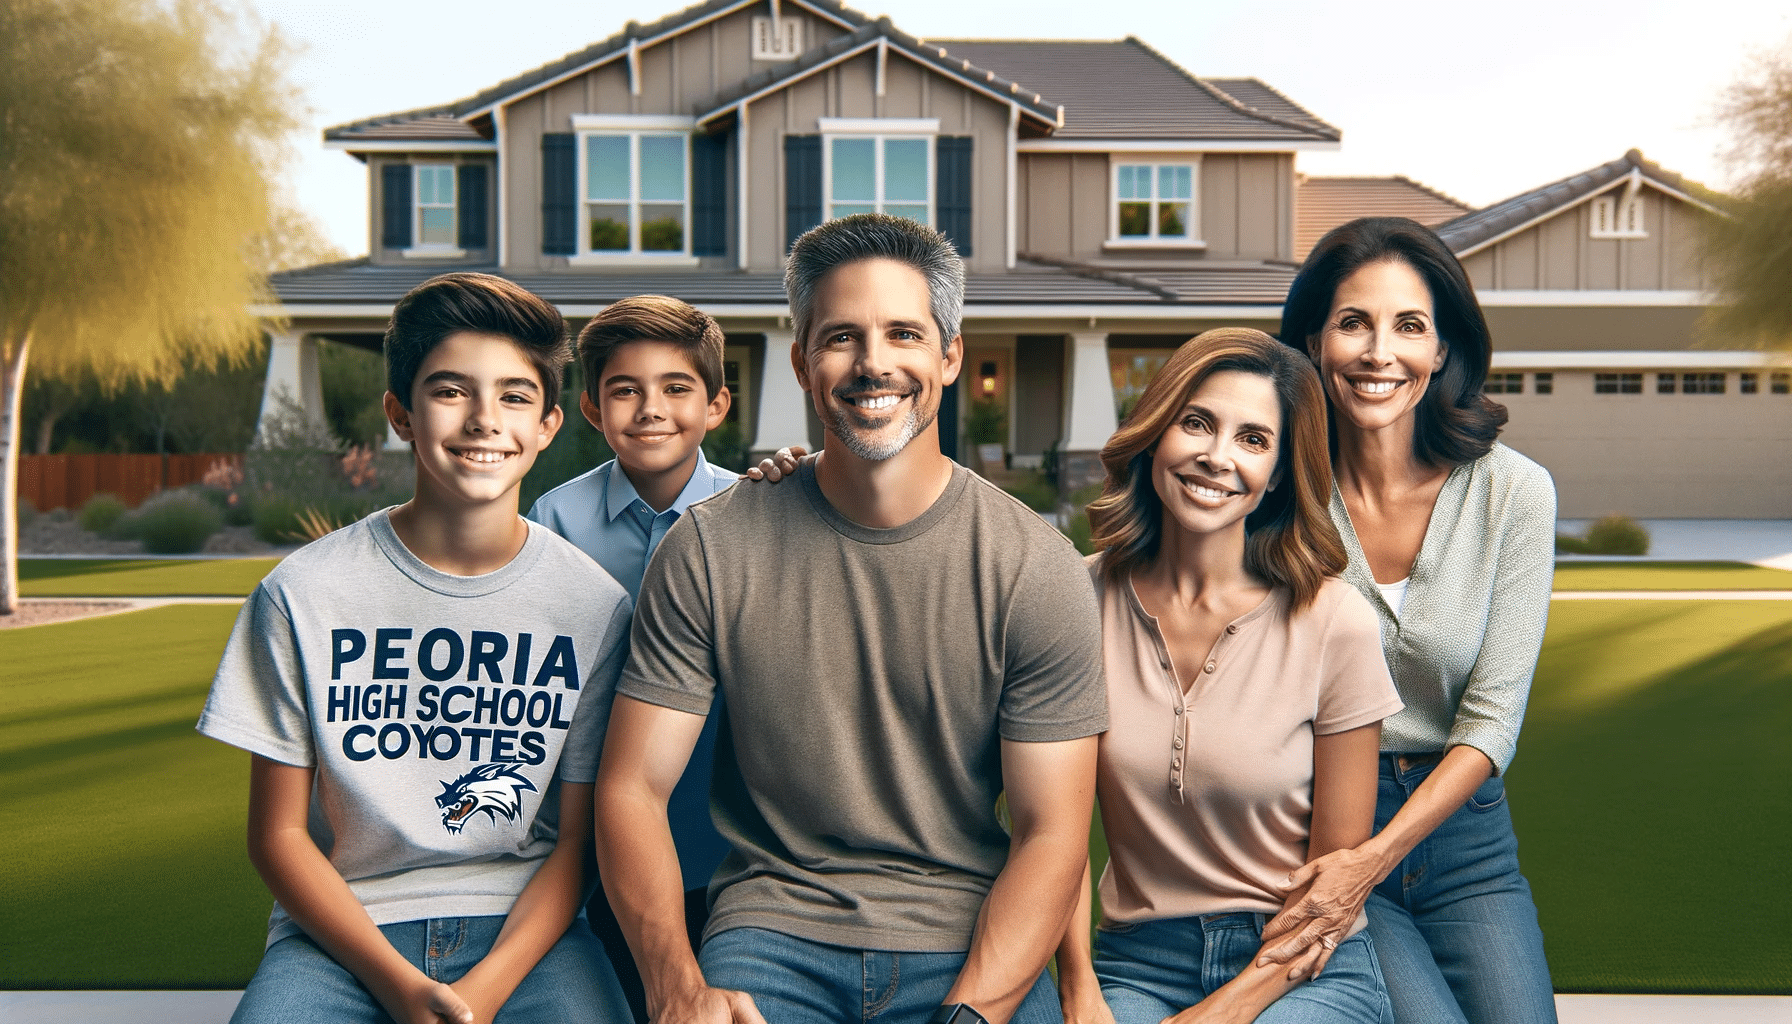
(780, 465)
(1083, 1004)
(707, 1005)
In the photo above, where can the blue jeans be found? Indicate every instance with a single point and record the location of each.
(795, 981)
(1455, 924)
(1157, 969)
(299, 983)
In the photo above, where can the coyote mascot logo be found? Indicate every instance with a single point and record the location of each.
(492, 788)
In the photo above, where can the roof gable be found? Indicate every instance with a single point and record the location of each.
(1473, 232)
(1323, 203)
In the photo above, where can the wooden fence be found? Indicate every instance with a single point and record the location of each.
(67, 481)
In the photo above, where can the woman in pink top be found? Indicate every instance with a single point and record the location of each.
(1246, 689)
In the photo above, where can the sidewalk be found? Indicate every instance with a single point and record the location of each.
(1763, 542)
(215, 1008)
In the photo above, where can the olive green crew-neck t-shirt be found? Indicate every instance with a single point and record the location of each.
(870, 676)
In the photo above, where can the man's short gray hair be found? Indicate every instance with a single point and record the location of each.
(872, 236)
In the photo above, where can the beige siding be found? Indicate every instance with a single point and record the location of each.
(850, 90)
(1593, 328)
(1246, 203)
(1560, 254)
(1657, 456)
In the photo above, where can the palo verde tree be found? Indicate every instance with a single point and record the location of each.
(1750, 252)
(138, 140)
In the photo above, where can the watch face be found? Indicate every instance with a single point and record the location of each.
(957, 1013)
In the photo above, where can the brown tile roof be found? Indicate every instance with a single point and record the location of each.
(1122, 88)
(1321, 204)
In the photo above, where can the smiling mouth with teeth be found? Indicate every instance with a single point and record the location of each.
(1375, 387)
(481, 456)
(875, 403)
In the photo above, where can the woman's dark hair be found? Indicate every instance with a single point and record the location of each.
(1290, 540)
(1456, 423)
(482, 303)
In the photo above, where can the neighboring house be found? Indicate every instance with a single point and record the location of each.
(1593, 289)
(1108, 204)
(1321, 204)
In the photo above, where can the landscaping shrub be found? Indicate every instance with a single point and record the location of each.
(298, 466)
(101, 513)
(27, 514)
(275, 517)
(1617, 535)
(1035, 492)
(176, 522)
(724, 446)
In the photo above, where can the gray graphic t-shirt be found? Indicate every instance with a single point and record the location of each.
(441, 712)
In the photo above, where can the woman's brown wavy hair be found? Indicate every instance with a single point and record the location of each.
(1289, 538)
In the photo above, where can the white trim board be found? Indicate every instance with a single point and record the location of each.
(1671, 359)
(421, 146)
(1589, 197)
(1591, 297)
(1172, 146)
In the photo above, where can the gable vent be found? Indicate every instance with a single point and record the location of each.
(780, 39)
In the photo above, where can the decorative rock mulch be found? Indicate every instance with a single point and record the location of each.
(41, 612)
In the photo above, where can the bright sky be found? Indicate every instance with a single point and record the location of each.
(1481, 100)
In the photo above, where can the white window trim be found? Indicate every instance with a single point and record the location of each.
(436, 251)
(632, 128)
(1190, 160)
(827, 169)
(878, 125)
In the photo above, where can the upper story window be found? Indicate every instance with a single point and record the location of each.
(1154, 203)
(779, 39)
(879, 166)
(435, 191)
(1618, 217)
(634, 190)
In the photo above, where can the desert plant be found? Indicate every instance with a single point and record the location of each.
(276, 518)
(101, 513)
(312, 524)
(176, 522)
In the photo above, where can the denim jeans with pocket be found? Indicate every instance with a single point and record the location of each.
(299, 983)
(796, 981)
(1157, 969)
(1454, 923)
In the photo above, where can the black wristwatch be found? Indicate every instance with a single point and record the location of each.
(957, 1013)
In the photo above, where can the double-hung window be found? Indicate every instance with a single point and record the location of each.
(634, 187)
(1154, 203)
(434, 187)
(879, 166)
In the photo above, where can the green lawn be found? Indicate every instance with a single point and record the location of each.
(1669, 576)
(1653, 794)
(141, 577)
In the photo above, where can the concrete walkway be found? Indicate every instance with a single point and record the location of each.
(215, 1008)
(1764, 542)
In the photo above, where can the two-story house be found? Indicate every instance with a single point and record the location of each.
(1108, 203)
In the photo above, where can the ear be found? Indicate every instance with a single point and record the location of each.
(550, 425)
(954, 361)
(718, 409)
(1443, 353)
(398, 416)
(799, 364)
(593, 414)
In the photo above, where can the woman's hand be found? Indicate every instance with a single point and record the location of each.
(1335, 888)
(1083, 1002)
(780, 465)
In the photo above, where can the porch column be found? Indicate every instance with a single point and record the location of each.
(293, 380)
(1089, 414)
(783, 418)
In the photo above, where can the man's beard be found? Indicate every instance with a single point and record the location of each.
(841, 421)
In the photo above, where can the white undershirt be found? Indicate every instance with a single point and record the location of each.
(1394, 594)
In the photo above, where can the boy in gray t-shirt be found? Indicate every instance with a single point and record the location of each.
(425, 693)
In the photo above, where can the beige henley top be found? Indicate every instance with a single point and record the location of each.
(1207, 796)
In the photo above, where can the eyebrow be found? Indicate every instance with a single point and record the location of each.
(456, 377)
(629, 378)
(1405, 312)
(836, 326)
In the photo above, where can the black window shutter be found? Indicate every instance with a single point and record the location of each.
(709, 195)
(471, 198)
(952, 183)
(395, 206)
(559, 194)
(802, 185)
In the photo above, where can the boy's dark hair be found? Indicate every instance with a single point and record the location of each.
(1456, 423)
(652, 318)
(483, 303)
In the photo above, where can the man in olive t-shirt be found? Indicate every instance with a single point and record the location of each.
(899, 643)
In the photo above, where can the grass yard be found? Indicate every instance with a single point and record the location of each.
(141, 577)
(124, 865)
(1669, 576)
(1653, 794)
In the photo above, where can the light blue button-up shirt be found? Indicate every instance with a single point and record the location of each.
(603, 515)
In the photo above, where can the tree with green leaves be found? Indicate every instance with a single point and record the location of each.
(1750, 252)
(138, 141)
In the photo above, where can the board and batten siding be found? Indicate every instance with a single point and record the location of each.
(1246, 202)
(849, 89)
(1560, 254)
(677, 76)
